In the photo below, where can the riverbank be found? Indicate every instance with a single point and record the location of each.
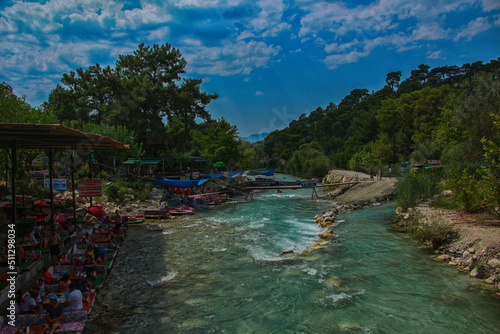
(476, 250)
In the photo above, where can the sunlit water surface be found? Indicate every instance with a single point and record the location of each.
(220, 271)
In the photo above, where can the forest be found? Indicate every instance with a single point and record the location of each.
(447, 113)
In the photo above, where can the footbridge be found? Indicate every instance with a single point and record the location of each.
(305, 184)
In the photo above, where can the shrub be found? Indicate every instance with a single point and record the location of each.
(412, 188)
(119, 189)
(317, 167)
(445, 202)
(467, 191)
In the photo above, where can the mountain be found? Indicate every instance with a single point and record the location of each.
(255, 137)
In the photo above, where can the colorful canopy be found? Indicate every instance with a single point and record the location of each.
(178, 183)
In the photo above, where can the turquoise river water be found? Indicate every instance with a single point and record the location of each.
(220, 271)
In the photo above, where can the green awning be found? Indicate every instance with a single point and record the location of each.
(199, 159)
(131, 161)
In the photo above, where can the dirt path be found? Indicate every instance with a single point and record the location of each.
(364, 193)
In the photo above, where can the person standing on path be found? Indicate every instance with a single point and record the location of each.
(371, 174)
(390, 173)
(55, 246)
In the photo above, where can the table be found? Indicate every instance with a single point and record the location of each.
(38, 329)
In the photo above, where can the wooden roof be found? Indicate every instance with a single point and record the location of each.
(41, 136)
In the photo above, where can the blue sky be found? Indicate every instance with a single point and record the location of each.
(269, 60)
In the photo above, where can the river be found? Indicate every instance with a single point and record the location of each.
(220, 271)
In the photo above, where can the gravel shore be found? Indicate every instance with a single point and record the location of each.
(476, 251)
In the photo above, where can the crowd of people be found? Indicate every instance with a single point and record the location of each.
(74, 291)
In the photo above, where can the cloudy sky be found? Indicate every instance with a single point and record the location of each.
(269, 60)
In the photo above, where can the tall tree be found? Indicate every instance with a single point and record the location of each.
(218, 140)
(392, 79)
(86, 95)
(189, 103)
(151, 73)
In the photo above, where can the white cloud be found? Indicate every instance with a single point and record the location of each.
(436, 55)
(332, 61)
(232, 58)
(207, 4)
(473, 28)
(159, 34)
(131, 19)
(336, 47)
(269, 21)
(429, 32)
(244, 35)
(353, 32)
(257, 93)
(489, 5)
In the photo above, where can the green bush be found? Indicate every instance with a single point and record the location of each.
(467, 191)
(83, 172)
(445, 202)
(317, 167)
(119, 189)
(103, 176)
(412, 188)
(113, 192)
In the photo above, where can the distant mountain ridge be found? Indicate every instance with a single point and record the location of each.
(255, 137)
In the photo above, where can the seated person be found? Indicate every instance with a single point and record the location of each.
(77, 260)
(67, 226)
(113, 243)
(63, 259)
(29, 237)
(85, 288)
(74, 301)
(100, 254)
(41, 289)
(64, 283)
(87, 240)
(89, 266)
(29, 304)
(89, 251)
(47, 277)
(54, 314)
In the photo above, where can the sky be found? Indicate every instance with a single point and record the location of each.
(268, 60)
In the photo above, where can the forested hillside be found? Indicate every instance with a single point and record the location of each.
(435, 113)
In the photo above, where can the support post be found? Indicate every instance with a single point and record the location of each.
(73, 169)
(51, 189)
(314, 192)
(90, 172)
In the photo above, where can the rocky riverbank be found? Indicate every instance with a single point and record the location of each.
(476, 249)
